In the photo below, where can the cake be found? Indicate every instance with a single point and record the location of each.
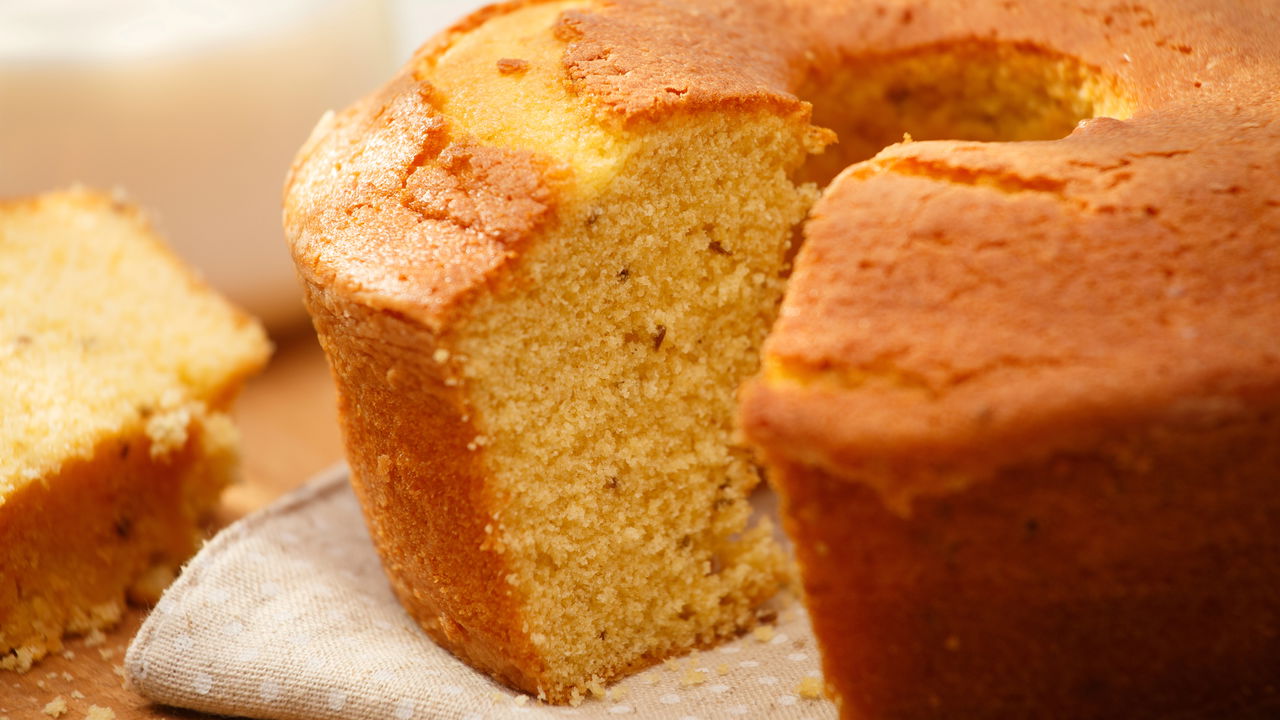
(117, 368)
(542, 258)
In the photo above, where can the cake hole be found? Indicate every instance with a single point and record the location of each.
(983, 91)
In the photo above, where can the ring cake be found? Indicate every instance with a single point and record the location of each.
(544, 256)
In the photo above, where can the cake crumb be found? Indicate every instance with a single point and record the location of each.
(596, 687)
(693, 677)
(56, 707)
(575, 697)
(148, 588)
(169, 432)
(108, 653)
(810, 688)
(67, 676)
(521, 700)
(722, 669)
(97, 712)
(441, 355)
(94, 638)
(763, 633)
(617, 693)
(77, 695)
(69, 654)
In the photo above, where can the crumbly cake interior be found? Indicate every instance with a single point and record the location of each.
(603, 381)
(115, 373)
(99, 332)
(610, 383)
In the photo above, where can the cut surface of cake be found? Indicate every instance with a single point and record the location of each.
(117, 370)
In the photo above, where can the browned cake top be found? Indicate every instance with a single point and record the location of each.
(951, 292)
(959, 305)
(387, 205)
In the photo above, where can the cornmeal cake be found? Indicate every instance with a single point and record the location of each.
(543, 257)
(117, 368)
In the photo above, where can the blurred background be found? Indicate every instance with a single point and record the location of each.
(193, 109)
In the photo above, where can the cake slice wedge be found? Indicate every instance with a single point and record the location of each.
(117, 368)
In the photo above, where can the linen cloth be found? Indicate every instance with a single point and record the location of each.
(286, 615)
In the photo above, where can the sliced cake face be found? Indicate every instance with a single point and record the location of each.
(116, 369)
(602, 384)
(583, 300)
(101, 328)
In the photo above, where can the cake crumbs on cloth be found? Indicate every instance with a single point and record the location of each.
(56, 707)
(693, 677)
(763, 633)
(97, 712)
(810, 688)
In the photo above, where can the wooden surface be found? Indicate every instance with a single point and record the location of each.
(289, 425)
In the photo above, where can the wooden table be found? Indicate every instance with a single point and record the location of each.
(288, 421)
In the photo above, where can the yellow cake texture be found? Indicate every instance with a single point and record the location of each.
(117, 370)
(544, 256)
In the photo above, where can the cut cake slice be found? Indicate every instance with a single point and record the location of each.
(117, 367)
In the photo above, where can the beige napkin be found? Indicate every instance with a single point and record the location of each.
(286, 615)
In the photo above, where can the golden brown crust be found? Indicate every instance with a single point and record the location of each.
(73, 543)
(1133, 580)
(1004, 298)
(388, 205)
(647, 58)
(392, 204)
(419, 477)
